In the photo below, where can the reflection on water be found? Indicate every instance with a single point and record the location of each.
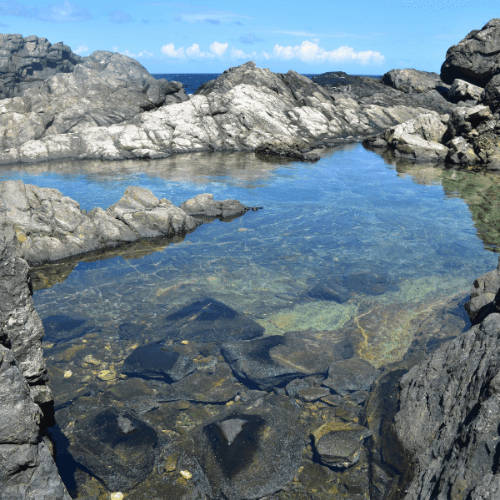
(392, 250)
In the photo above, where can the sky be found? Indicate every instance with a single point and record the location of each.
(208, 36)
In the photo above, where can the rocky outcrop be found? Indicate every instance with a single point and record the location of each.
(288, 148)
(412, 81)
(473, 126)
(27, 62)
(476, 58)
(50, 226)
(242, 109)
(27, 469)
(449, 405)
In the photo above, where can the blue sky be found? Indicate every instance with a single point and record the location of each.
(313, 36)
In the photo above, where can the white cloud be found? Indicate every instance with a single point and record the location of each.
(81, 49)
(219, 48)
(145, 54)
(62, 12)
(170, 51)
(309, 51)
(194, 51)
(240, 54)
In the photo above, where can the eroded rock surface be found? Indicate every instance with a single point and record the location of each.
(26, 62)
(50, 226)
(27, 469)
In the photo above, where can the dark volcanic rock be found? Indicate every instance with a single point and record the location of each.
(208, 320)
(476, 58)
(350, 375)
(288, 148)
(278, 359)
(482, 296)
(156, 361)
(218, 386)
(26, 62)
(245, 452)
(342, 448)
(448, 418)
(120, 459)
(338, 289)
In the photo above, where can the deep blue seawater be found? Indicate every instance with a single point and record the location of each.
(191, 81)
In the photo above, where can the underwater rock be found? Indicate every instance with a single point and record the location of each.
(350, 375)
(61, 328)
(338, 289)
(119, 459)
(156, 361)
(217, 387)
(208, 320)
(247, 451)
(278, 359)
(130, 331)
(341, 449)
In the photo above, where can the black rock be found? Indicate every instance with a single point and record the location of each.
(117, 448)
(155, 361)
(330, 290)
(208, 320)
(350, 375)
(130, 331)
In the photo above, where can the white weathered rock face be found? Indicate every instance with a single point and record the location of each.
(241, 109)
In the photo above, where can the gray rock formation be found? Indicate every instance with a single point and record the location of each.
(205, 205)
(288, 148)
(243, 108)
(26, 62)
(413, 81)
(471, 136)
(476, 58)
(449, 417)
(50, 226)
(27, 469)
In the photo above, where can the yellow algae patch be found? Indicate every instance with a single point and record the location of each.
(320, 315)
(107, 375)
(48, 345)
(185, 342)
(186, 474)
(70, 353)
(20, 234)
(91, 360)
(68, 373)
(335, 426)
(171, 462)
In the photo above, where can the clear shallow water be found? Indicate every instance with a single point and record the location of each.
(352, 212)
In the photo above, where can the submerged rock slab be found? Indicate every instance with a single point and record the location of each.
(279, 359)
(208, 320)
(117, 448)
(61, 328)
(247, 452)
(350, 375)
(155, 361)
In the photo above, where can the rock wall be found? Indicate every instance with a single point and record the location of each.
(27, 469)
(26, 62)
(449, 416)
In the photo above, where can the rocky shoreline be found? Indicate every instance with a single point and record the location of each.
(445, 437)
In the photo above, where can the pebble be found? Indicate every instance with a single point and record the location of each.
(68, 373)
(118, 495)
(186, 474)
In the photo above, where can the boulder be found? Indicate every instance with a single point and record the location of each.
(350, 375)
(482, 295)
(474, 59)
(205, 205)
(288, 148)
(491, 95)
(461, 152)
(464, 91)
(412, 81)
(27, 62)
(448, 416)
(115, 446)
(208, 320)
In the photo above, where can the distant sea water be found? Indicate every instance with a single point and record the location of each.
(192, 81)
